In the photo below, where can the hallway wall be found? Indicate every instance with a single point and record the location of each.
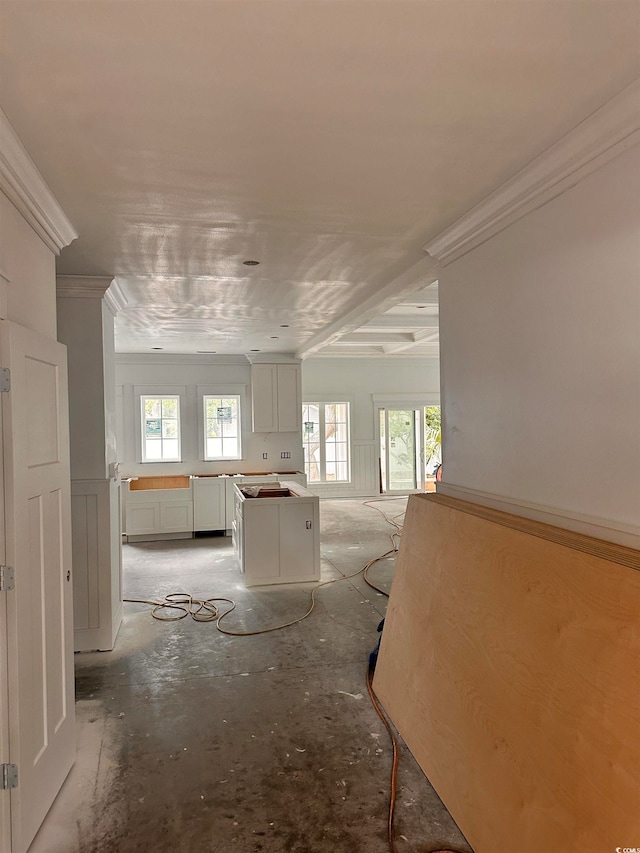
(540, 343)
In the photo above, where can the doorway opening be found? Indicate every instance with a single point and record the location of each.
(410, 448)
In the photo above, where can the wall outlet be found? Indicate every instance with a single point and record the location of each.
(285, 455)
(265, 455)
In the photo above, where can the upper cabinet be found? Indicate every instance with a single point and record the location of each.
(276, 397)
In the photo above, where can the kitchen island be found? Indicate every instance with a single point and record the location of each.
(276, 533)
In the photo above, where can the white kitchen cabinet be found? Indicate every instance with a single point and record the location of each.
(209, 503)
(277, 538)
(157, 506)
(242, 479)
(276, 397)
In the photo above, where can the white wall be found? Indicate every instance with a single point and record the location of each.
(137, 374)
(80, 328)
(540, 353)
(358, 380)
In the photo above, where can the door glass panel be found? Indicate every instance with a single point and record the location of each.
(402, 450)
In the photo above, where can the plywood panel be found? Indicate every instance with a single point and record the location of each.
(510, 665)
(173, 482)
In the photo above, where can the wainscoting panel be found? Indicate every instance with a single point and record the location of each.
(364, 475)
(96, 553)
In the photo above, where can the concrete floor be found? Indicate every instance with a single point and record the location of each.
(189, 740)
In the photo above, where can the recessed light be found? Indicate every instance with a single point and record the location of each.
(251, 263)
(254, 350)
(206, 351)
(274, 338)
(284, 325)
(422, 306)
(157, 347)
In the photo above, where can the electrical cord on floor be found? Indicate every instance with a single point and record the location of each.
(206, 609)
(394, 764)
(394, 536)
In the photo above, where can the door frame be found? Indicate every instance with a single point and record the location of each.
(401, 401)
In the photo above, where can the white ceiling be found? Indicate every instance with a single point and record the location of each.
(329, 140)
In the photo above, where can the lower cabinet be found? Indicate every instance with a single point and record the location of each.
(209, 510)
(277, 539)
(150, 512)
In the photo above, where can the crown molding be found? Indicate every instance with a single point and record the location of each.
(82, 286)
(272, 358)
(609, 131)
(164, 358)
(114, 298)
(25, 187)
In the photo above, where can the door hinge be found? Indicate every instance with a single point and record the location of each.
(9, 777)
(5, 379)
(7, 578)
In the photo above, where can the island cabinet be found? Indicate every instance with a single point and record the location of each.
(209, 503)
(276, 397)
(158, 506)
(276, 533)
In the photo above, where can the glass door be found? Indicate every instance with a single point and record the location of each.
(401, 450)
(405, 434)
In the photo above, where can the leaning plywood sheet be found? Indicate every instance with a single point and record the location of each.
(510, 664)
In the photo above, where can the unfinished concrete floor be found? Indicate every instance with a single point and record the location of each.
(189, 740)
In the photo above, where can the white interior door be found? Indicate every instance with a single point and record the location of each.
(39, 610)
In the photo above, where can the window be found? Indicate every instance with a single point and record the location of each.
(325, 437)
(221, 427)
(160, 429)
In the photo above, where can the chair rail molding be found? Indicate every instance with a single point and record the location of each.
(25, 187)
(603, 135)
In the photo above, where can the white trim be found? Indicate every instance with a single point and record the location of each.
(114, 298)
(25, 187)
(239, 391)
(429, 398)
(272, 358)
(140, 391)
(82, 287)
(178, 358)
(600, 528)
(609, 131)
(423, 273)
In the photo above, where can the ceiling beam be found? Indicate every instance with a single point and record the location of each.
(425, 270)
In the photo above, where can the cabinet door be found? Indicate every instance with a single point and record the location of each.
(289, 402)
(297, 538)
(176, 517)
(209, 504)
(264, 395)
(261, 541)
(143, 518)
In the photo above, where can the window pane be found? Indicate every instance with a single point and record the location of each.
(169, 407)
(340, 452)
(152, 408)
(170, 449)
(330, 470)
(341, 412)
(222, 427)
(154, 448)
(214, 447)
(342, 471)
(153, 427)
(230, 448)
(170, 428)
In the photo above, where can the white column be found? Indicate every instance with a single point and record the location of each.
(86, 312)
